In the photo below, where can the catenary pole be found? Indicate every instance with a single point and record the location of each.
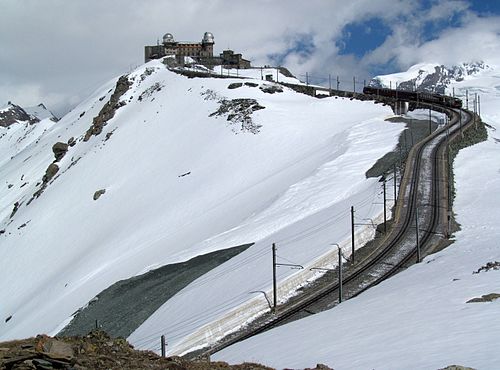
(385, 208)
(416, 230)
(275, 293)
(395, 185)
(163, 345)
(352, 234)
(340, 275)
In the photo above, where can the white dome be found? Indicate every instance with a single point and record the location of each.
(208, 37)
(167, 38)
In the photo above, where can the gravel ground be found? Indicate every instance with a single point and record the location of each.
(124, 306)
(415, 131)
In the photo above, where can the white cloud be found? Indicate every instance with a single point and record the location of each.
(67, 48)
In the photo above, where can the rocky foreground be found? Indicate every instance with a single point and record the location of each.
(97, 350)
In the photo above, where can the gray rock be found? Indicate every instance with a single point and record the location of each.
(271, 89)
(98, 193)
(60, 150)
(235, 85)
(50, 172)
(485, 298)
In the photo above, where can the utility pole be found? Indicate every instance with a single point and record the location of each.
(163, 345)
(385, 208)
(340, 275)
(416, 229)
(395, 185)
(261, 74)
(354, 84)
(307, 79)
(352, 234)
(460, 113)
(479, 106)
(275, 293)
(475, 110)
(338, 82)
(330, 84)
(364, 84)
(448, 231)
(430, 122)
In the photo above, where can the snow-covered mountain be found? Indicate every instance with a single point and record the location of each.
(437, 313)
(183, 167)
(20, 127)
(11, 113)
(430, 77)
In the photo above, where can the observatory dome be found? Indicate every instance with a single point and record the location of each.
(168, 38)
(208, 37)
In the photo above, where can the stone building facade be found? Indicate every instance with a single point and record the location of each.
(202, 52)
(169, 46)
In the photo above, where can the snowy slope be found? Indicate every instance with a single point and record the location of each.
(418, 319)
(180, 183)
(20, 127)
(41, 112)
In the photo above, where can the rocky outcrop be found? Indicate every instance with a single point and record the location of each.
(50, 172)
(59, 149)
(98, 193)
(239, 111)
(97, 350)
(488, 267)
(235, 85)
(271, 89)
(108, 111)
(13, 114)
(485, 298)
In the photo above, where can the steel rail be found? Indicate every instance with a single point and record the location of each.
(393, 240)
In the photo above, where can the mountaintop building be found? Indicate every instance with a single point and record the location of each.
(202, 52)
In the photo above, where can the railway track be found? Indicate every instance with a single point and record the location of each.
(398, 248)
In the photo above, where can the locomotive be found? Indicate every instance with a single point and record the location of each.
(422, 96)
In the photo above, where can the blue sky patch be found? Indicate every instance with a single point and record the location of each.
(362, 37)
(485, 7)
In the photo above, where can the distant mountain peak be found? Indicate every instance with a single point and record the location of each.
(12, 113)
(430, 77)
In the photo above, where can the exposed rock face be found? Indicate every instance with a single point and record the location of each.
(14, 209)
(50, 172)
(98, 193)
(239, 111)
(14, 113)
(59, 150)
(150, 91)
(108, 111)
(489, 266)
(96, 350)
(485, 298)
(235, 85)
(271, 89)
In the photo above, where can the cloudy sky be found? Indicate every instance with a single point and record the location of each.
(59, 51)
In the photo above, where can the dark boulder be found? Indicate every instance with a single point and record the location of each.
(59, 150)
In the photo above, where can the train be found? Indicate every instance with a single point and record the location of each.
(426, 97)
